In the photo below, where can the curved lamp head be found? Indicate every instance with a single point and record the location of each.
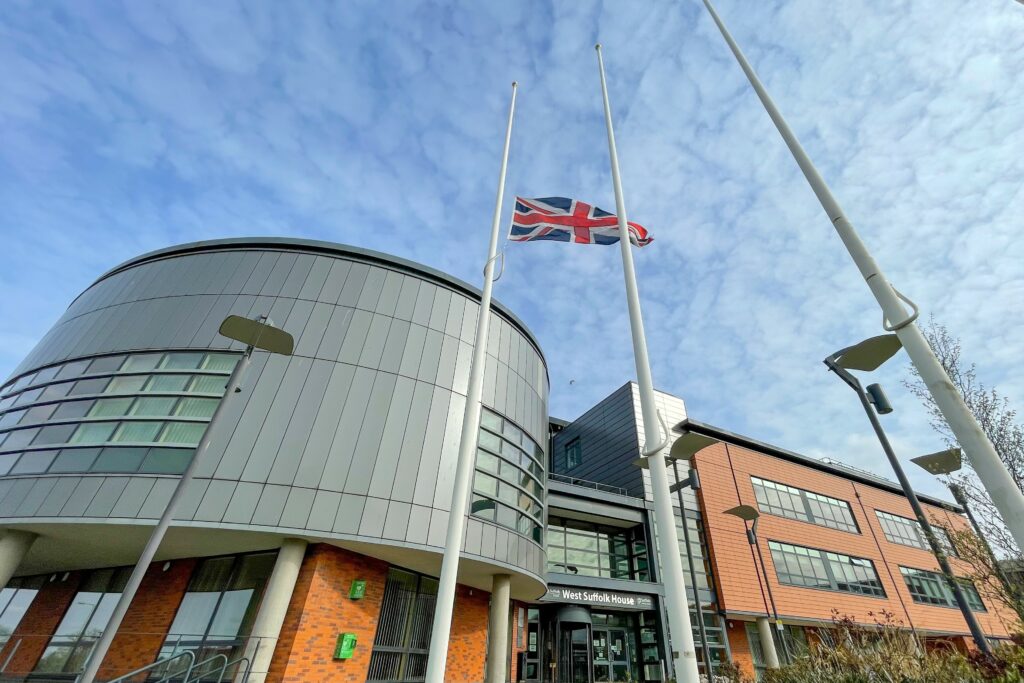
(687, 445)
(943, 462)
(869, 354)
(257, 334)
(745, 512)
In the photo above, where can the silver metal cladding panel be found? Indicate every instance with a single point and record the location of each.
(355, 436)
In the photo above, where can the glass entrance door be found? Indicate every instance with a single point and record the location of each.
(574, 654)
(611, 655)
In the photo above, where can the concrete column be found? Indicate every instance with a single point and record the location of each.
(267, 627)
(764, 630)
(497, 629)
(14, 545)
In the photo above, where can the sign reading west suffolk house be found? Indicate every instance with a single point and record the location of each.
(589, 596)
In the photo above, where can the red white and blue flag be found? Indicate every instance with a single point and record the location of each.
(568, 220)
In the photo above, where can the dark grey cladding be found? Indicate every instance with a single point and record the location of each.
(354, 437)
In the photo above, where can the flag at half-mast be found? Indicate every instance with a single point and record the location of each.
(569, 220)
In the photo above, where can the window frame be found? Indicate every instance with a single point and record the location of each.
(967, 586)
(826, 558)
(886, 518)
(573, 448)
(804, 495)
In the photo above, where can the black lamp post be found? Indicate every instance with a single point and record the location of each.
(868, 355)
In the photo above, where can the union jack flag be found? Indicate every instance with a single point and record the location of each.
(568, 220)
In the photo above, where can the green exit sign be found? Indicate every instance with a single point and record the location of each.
(345, 646)
(358, 590)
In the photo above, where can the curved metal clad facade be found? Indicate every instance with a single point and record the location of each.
(353, 438)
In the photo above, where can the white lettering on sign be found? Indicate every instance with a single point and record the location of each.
(592, 597)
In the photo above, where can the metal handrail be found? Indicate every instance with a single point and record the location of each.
(195, 667)
(187, 653)
(586, 483)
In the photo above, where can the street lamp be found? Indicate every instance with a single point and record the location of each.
(255, 334)
(947, 462)
(869, 355)
(748, 513)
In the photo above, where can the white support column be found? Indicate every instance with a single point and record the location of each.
(14, 545)
(764, 630)
(497, 629)
(267, 628)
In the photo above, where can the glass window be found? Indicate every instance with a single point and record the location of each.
(93, 432)
(490, 420)
(12, 418)
(33, 462)
(22, 382)
(15, 599)
(127, 384)
(137, 432)
(7, 461)
(46, 374)
(119, 460)
(805, 506)
(142, 362)
(182, 432)
(20, 438)
(573, 454)
(52, 392)
(799, 566)
(72, 369)
(30, 396)
(89, 386)
(588, 549)
(167, 383)
(220, 362)
(219, 606)
(73, 409)
(905, 531)
(403, 630)
(105, 364)
(196, 407)
(181, 361)
(166, 460)
(161, 406)
(111, 407)
(38, 414)
(930, 588)
(74, 460)
(208, 384)
(54, 434)
(84, 621)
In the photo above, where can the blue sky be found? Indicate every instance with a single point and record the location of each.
(129, 127)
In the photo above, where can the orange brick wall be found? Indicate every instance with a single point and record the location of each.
(320, 609)
(40, 621)
(148, 619)
(739, 646)
(734, 564)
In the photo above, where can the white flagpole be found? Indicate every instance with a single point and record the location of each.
(684, 655)
(1006, 496)
(437, 655)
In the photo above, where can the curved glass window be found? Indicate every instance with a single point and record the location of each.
(509, 481)
(122, 413)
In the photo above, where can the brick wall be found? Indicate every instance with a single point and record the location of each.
(40, 621)
(725, 482)
(148, 619)
(740, 647)
(320, 609)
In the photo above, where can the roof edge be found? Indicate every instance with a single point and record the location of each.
(322, 247)
(806, 460)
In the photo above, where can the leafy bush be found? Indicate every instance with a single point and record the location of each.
(888, 653)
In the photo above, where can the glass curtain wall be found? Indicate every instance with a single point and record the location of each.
(588, 549)
(219, 606)
(84, 621)
(15, 599)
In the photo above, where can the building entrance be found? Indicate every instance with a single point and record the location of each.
(573, 644)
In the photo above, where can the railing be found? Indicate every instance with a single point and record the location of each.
(29, 658)
(585, 483)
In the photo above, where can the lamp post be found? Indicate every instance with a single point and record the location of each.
(868, 355)
(947, 462)
(749, 513)
(255, 334)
